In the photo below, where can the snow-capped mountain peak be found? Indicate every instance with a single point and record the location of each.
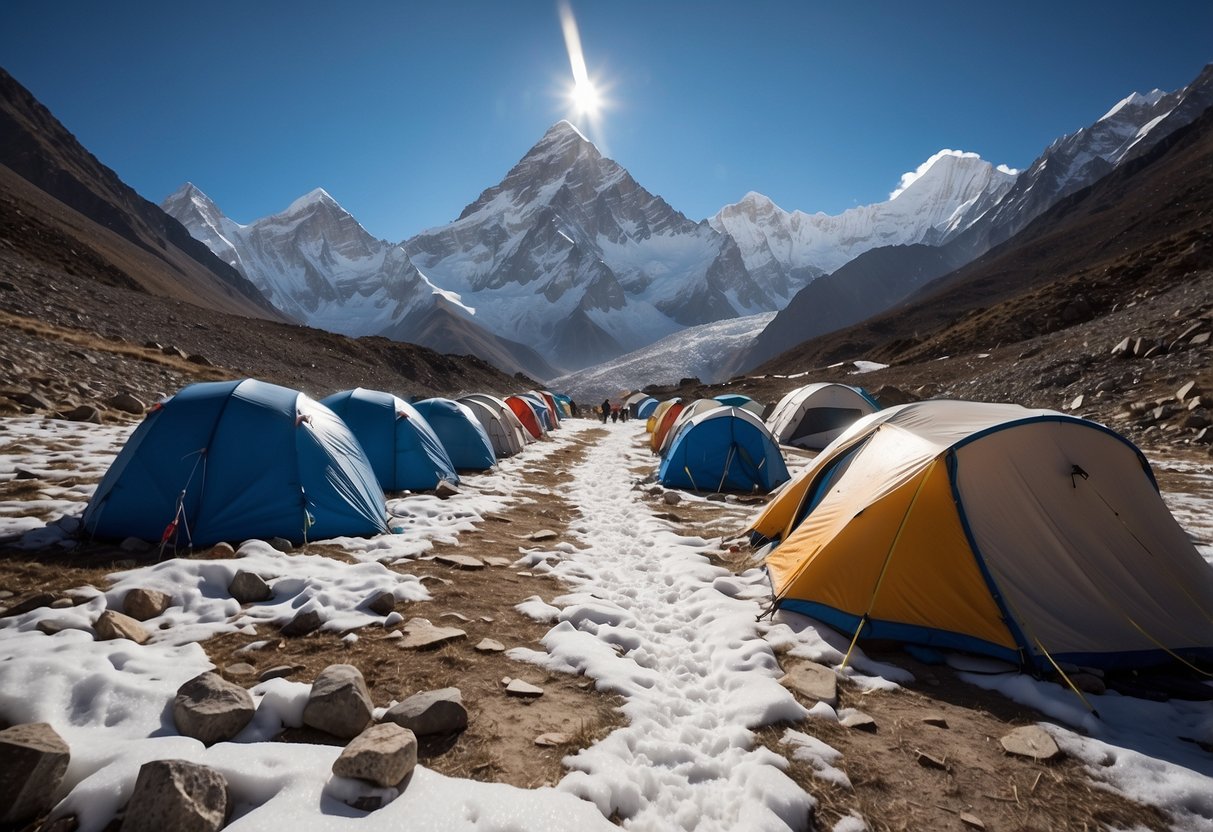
(316, 196)
(952, 174)
(1135, 100)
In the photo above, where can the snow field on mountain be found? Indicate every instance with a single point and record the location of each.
(646, 616)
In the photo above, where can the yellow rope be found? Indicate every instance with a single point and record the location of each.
(887, 558)
(1168, 650)
(1063, 675)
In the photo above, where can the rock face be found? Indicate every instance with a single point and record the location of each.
(383, 754)
(431, 712)
(33, 760)
(211, 709)
(177, 795)
(339, 703)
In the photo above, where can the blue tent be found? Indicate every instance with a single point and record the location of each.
(462, 435)
(723, 449)
(233, 460)
(646, 407)
(404, 451)
(564, 403)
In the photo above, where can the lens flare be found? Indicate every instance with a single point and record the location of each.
(584, 95)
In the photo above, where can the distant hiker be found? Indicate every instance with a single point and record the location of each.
(573, 409)
(606, 410)
(614, 414)
(623, 413)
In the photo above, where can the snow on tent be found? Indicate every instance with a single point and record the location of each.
(724, 449)
(233, 460)
(812, 416)
(465, 441)
(738, 400)
(524, 411)
(404, 451)
(505, 442)
(1027, 535)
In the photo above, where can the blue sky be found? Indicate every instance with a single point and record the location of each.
(406, 111)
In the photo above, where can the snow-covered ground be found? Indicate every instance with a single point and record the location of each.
(646, 616)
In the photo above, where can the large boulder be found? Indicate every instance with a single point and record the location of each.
(111, 625)
(142, 604)
(177, 795)
(249, 588)
(339, 703)
(211, 709)
(33, 760)
(431, 712)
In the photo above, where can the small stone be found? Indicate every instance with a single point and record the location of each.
(672, 498)
(62, 604)
(496, 561)
(858, 721)
(458, 616)
(249, 588)
(111, 625)
(383, 754)
(53, 627)
(1088, 683)
(134, 545)
(931, 761)
(304, 622)
(280, 671)
(445, 490)
(222, 551)
(177, 794)
(935, 719)
(1031, 741)
(1077, 403)
(34, 602)
(1200, 340)
(339, 703)
(431, 712)
(24, 474)
(552, 739)
(33, 760)
(239, 670)
(542, 534)
(382, 603)
(142, 604)
(488, 645)
(420, 634)
(971, 820)
(716, 498)
(198, 358)
(813, 681)
(281, 544)
(211, 709)
(82, 413)
(127, 403)
(460, 561)
(1186, 391)
(522, 689)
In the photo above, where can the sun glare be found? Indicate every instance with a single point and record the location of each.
(586, 100)
(584, 96)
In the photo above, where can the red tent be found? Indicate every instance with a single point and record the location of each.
(525, 415)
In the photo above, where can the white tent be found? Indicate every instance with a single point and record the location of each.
(812, 416)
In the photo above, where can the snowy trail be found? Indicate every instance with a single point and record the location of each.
(653, 620)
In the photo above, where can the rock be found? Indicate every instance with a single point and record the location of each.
(134, 545)
(142, 604)
(339, 703)
(716, 498)
(1157, 349)
(178, 795)
(222, 551)
(935, 719)
(32, 400)
(971, 821)
(33, 760)
(82, 413)
(1196, 420)
(859, 721)
(239, 670)
(488, 645)
(24, 474)
(1031, 741)
(1186, 391)
(888, 395)
(111, 625)
(34, 602)
(522, 689)
(813, 681)
(280, 671)
(931, 761)
(211, 709)
(445, 490)
(672, 498)
(249, 588)
(304, 622)
(52, 627)
(1077, 403)
(382, 603)
(542, 534)
(1204, 436)
(420, 634)
(460, 561)
(431, 712)
(495, 561)
(552, 739)
(383, 754)
(281, 544)
(1088, 683)
(127, 403)
(1187, 333)
(1200, 340)
(198, 358)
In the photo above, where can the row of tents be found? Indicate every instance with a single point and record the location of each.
(232, 460)
(724, 443)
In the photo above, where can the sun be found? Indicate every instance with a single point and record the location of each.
(585, 98)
